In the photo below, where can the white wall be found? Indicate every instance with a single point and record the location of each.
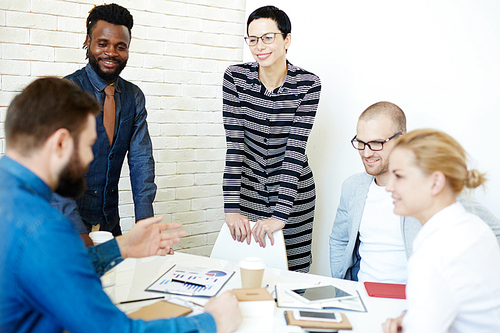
(437, 60)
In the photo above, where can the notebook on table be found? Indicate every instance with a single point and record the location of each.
(160, 309)
(386, 290)
(309, 324)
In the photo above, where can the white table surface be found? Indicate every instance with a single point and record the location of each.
(133, 276)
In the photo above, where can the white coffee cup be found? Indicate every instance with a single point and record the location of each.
(99, 237)
(252, 271)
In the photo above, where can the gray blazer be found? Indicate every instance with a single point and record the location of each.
(344, 240)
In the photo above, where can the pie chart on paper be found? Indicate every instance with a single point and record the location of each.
(215, 273)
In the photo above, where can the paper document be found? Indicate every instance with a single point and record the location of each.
(191, 281)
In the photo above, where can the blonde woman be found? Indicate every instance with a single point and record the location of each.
(454, 273)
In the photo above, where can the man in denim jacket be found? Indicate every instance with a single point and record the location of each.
(107, 43)
(48, 281)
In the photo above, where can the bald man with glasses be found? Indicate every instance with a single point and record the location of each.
(368, 241)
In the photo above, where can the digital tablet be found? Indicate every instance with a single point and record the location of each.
(320, 294)
(326, 316)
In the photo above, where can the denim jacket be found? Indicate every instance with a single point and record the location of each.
(100, 202)
(47, 280)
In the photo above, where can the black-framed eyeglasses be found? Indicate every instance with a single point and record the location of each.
(373, 145)
(266, 38)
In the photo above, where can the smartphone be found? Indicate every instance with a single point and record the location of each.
(326, 316)
(320, 294)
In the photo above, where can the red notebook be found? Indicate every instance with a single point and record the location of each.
(386, 290)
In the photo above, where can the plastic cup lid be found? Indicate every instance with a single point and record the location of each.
(252, 263)
(100, 236)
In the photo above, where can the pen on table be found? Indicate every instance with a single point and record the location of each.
(272, 292)
(141, 300)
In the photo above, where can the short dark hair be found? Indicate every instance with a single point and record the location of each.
(113, 13)
(386, 109)
(43, 107)
(275, 14)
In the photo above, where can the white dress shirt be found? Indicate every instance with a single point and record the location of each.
(454, 276)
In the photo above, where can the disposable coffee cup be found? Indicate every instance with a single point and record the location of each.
(252, 271)
(99, 237)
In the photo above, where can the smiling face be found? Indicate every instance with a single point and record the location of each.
(268, 55)
(411, 187)
(376, 163)
(107, 49)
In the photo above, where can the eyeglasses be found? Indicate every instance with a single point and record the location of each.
(266, 38)
(373, 145)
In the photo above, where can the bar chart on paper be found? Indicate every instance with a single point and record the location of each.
(192, 281)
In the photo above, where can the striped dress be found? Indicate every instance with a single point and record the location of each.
(266, 173)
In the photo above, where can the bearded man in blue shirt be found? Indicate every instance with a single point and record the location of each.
(121, 128)
(49, 282)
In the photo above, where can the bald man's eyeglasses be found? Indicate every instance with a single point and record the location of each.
(373, 145)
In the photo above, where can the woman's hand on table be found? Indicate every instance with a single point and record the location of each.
(393, 325)
(266, 227)
(146, 238)
(239, 226)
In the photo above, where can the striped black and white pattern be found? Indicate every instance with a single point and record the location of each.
(266, 173)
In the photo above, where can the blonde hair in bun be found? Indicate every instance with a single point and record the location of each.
(474, 179)
(437, 151)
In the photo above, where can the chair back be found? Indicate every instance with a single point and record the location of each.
(228, 249)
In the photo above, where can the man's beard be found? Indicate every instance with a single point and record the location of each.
(72, 182)
(108, 77)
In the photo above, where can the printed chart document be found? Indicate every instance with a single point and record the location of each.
(284, 300)
(191, 281)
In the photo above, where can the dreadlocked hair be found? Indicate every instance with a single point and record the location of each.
(113, 13)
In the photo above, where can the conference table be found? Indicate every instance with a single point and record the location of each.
(133, 276)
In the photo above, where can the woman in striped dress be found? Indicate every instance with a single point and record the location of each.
(269, 109)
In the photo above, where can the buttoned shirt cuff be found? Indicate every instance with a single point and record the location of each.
(105, 256)
(205, 323)
(143, 211)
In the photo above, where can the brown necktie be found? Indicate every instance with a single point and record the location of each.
(108, 114)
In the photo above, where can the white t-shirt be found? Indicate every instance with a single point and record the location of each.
(454, 276)
(382, 250)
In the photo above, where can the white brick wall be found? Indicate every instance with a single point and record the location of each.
(179, 51)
